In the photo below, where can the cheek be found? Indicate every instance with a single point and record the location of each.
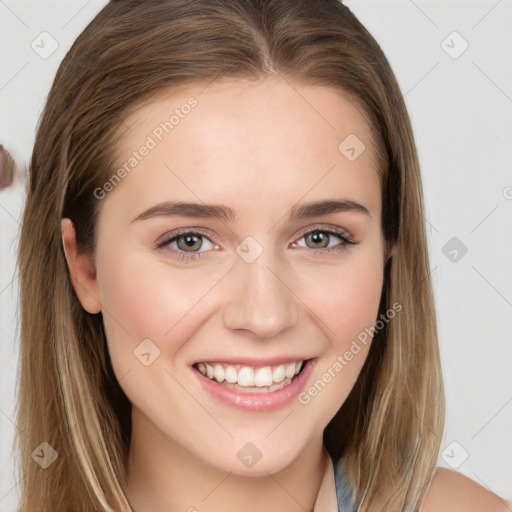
(359, 303)
(143, 301)
(347, 306)
(347, 298)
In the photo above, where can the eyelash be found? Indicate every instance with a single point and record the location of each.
(166, 239)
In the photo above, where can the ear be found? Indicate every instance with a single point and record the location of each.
(81, 269)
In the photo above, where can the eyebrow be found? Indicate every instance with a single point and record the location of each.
(224, 213)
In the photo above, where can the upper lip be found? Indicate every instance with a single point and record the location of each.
(251, 361)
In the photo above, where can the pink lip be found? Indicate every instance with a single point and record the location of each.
(256, 401)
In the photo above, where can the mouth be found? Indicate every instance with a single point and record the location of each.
(252, 379)
(262, 386)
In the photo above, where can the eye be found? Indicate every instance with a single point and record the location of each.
(186, 244)
(191, 242)
(334, 240)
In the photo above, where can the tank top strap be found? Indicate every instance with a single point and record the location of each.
(345, 502)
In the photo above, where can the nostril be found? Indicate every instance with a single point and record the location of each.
(7, 167)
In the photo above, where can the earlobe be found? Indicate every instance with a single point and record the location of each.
(81, 269)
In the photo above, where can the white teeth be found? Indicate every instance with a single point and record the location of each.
(218, 373)
(230, 374)
(248, 377)
(289, 370)
(262, 377)
(278, 374)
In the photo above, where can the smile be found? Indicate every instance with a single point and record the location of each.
(251, 379)
(258, 387)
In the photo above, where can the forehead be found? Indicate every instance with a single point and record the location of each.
(239, 141)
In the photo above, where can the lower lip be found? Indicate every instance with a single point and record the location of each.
(257, 401)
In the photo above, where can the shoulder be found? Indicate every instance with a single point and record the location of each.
(451, 491)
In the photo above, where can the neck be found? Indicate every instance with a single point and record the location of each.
(165, 477)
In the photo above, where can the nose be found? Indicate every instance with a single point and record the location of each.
(260, 300)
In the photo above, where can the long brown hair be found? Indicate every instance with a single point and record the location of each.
(389, 429)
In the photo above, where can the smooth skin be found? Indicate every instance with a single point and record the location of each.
(261, 149)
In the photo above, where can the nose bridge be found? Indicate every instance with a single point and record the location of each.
(259, 299)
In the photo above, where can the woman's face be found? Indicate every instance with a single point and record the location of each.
(246, 237)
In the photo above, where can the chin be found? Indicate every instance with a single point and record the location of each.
(255, 458)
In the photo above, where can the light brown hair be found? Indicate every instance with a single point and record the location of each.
(389, 429)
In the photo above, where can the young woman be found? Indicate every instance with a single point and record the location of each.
(225, 294)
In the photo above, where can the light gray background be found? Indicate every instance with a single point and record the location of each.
(461, 110)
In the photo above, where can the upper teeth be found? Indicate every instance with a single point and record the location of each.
(248, 375)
